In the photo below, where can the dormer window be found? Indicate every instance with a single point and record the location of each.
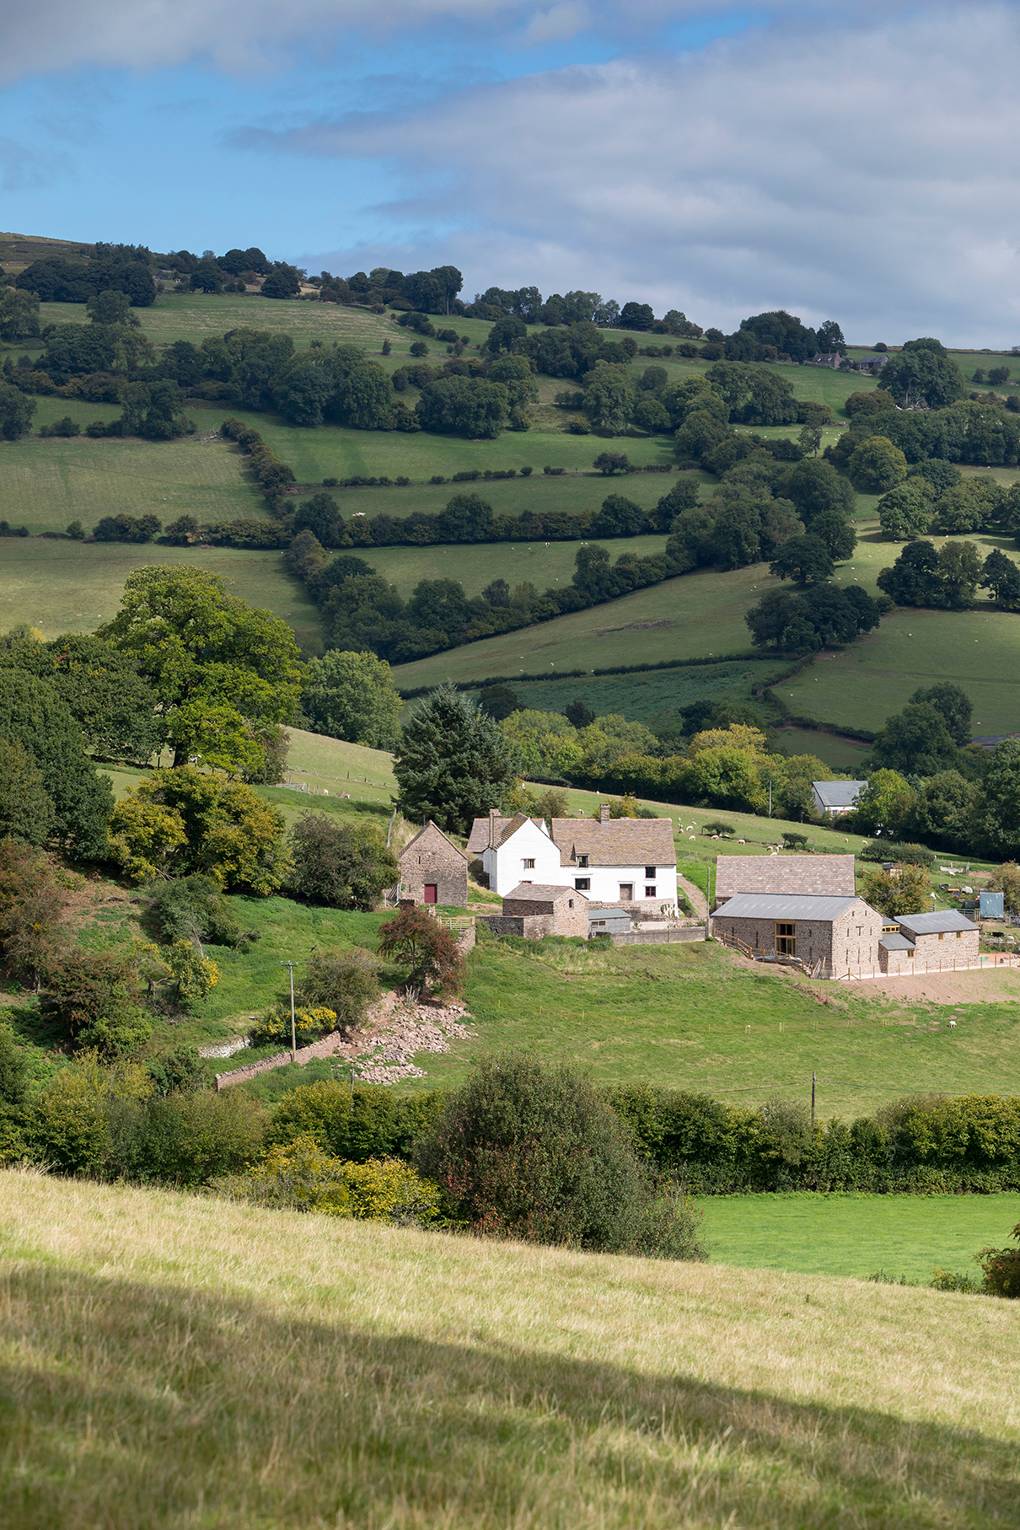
(582, 860)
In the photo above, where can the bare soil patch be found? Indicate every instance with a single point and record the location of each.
(988, 985)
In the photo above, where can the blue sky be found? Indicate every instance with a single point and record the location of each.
(854, 160)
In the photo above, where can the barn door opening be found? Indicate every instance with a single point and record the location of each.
(431, 892)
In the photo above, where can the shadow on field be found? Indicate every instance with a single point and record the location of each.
(125, 1405)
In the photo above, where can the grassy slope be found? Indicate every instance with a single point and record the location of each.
(179, 1361)
(544, 564)
(903, 1236)
(575, 491)
(651, 694)
(62, 586)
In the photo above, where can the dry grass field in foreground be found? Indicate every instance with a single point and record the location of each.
(185, 1362)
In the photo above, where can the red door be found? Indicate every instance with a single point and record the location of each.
(431, 892)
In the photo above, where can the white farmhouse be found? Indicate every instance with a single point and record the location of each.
(833, 798)
(617, 861)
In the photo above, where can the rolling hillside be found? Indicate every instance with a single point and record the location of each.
(175, 1361)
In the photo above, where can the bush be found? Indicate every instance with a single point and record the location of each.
(193, 908)
(903, 854)
(343, 982)
(300, 1175)
(416, 940)
(355, 1121)
(1001, 1269)
(526, 1152)
(95, 997)
(339, 865)
(309, 1024)
(187, 1139)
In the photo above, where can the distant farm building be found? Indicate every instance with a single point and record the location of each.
(433, 869)
(833, 798)
(818, 875)
(827, 936)
(534, 910)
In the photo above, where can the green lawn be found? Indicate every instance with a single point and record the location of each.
(61, 586)
(47, 483)
(545, 564)
(862, 685)
(651, 695)
(695, 616)
(900, 1235)
(689, 1017)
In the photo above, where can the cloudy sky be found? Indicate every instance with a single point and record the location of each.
(855, 159)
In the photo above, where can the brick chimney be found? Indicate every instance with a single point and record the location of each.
(603, 812)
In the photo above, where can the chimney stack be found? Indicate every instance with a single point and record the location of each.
(603, 812)
(493, 815)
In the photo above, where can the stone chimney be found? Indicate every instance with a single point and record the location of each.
(603, 812)
(493, 815)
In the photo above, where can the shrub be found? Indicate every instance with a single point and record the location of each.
(309, 1024)
(718, 826)
(69, 1121)
(891, 850)
(95, 997)
(178, 1071)
(1001, 1268)
(187, 1139)
(416, 940)
(355, 1122)
(339, 865)
(193, 975)
(32, 913)
(343, 982)
(522, 1151)
(952, 1280)
(193, 908)
(302, 1176)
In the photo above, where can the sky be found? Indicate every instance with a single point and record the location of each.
(847, 159)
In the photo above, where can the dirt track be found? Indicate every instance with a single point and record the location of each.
(989, 985)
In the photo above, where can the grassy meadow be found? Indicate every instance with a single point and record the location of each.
(903, 1237)
(652, 695)
(182, 1361)
(62, 586)
(575, 492)
(544, 564)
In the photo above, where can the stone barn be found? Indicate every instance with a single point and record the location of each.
(834, 937)
(943, 941)
(535, 910)
(433, 869)
(826, 876)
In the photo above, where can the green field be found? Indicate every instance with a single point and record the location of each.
(843, 754)
(651, 695)
(901, 1236)
(47, 483)
(544, 564)
(576, 492)
(176, 1360)
(61, 586)
(860, 686)
(692, 617)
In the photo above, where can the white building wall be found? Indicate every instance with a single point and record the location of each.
(606, 882)
(507, 867)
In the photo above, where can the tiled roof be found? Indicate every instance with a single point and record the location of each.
(938, 923)
(540, 892)
(818, 875)
(620, 842)
(779, 906)
(838, 794)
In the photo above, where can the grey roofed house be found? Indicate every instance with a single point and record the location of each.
(836, 796)
(940, 922)
(540, 892)
(815, 875)
(786, 906)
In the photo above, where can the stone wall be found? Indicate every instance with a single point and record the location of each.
(814, 939)
(326, 1046)
(855, 938)
(431, 858)
(958, 948)
(558, 915)
(665, 935)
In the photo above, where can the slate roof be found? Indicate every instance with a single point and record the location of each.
(838, 794)
(822, 876)
(938, 923)
(425, 828)
(540, 892)
(896, 943)
(780, 906)
(620, 842)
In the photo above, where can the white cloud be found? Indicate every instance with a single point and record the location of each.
(559, 23)
(866, 172)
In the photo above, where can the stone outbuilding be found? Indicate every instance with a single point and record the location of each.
(433, 869)
(535, 910)
(833, 937)
(942, 941)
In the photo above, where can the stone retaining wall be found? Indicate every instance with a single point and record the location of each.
(667, 935)
(326, 1046)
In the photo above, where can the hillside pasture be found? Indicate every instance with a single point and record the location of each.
(575, 492)
(545, 564)
(45, 483)
(842, 753)
(560, 1388)
(862, 685)
(62, 586)
(651, 695)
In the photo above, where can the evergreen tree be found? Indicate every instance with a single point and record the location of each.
(452, 762)
(33, 714)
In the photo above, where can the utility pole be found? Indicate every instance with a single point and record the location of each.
(813, 1082)
(293, 1021)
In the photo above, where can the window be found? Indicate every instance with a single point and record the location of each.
(626, 892)
(529, 865)
(941, 936)
(786, 940)
(650, 873)
(570, 902)
(650, 892)
(582, 884)
(582, 860)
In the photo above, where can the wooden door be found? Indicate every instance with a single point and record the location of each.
(431, 892)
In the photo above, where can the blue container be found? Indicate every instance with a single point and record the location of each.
(992, 905)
